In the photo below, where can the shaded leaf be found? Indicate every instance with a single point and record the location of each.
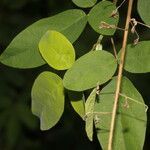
(89, 70)
(89, 110)
(102, 13)
(48, 99)
(77, 102)
(137, 57)
(130, 120)
(56, 50)
(23, 50)
(143, 9)
(84, 3)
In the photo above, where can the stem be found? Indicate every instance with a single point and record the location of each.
(119, 78)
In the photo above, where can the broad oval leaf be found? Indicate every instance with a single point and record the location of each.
(131, 118)
(48, 99)
(23, 50)
(138, 57)
(84, 3)
(77, 101)
(101, 14)
(89, 113)
(56, 50)
(143, 9)
(93, 68)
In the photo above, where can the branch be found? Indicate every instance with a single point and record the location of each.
(120, 71)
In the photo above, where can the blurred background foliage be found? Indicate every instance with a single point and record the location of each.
(19, 129)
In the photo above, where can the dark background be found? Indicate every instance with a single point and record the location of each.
(19, 129)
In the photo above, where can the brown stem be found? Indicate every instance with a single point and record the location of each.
(119, 78)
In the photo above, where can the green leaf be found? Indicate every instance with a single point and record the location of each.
(93, 68)
(102, 13)
(143, 9)
(48, 99)
(89, 110)
(84, 3)
(56, 50)
(131, 119)
(137, 57)
(77, 102)
(23, 50)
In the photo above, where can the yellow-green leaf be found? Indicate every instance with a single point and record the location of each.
(48, 99)
(56, 50)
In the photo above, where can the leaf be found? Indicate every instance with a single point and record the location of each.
(23, 50)
(77, 102)
(89, 110)
(56, 50)
(48, 99)
(102, 13)
(89, 70)
(84, 3)
(143, 9)
(131, 119)
(137, 57)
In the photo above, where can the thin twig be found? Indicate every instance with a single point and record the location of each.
(115, 12)
(119, 78)
(133, 30)
(114, 48)
(140, 23)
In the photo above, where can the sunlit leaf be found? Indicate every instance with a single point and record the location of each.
(89, 70)
(138, 57)
(84, 3)
(56, 50)
(23, 50)
(143, 9)
(131, 119)
(48, 99)
(89, 112)
(101, 14)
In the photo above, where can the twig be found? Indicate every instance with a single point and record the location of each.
(140, 23)
(133, 30)
(115, 12)
(114, 48)
(119, 78)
